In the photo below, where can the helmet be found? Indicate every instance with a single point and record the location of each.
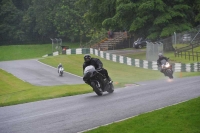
(60, 64)
(160, 55)
(87, 58)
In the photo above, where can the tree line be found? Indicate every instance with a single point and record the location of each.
(36, 21)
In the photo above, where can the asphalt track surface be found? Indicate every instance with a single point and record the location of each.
(82, 112)
(78, 113)
(39, 74)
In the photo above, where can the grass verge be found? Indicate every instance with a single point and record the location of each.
(181, 118)
(121, 74)
(16, 52)
(15, 91)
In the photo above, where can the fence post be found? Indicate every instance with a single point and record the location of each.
(189, 55)
(192, 53)
(185, 54)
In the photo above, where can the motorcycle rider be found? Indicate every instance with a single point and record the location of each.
(59, 66)
(161, 57)
(97, 64)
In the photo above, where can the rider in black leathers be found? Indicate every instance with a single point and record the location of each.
(97, 64)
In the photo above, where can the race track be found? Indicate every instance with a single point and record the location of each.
(78, 113)
(39, 74)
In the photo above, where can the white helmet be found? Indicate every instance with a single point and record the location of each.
(160, 55)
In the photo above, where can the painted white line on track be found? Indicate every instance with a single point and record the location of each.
(56, 68)
(132, 116)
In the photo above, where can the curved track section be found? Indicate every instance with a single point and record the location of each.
(39, 74)
(77, 113)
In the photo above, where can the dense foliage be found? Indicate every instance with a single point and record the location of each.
(73, 20)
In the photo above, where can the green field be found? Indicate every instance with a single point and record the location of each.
(15, 52)
(182, 118)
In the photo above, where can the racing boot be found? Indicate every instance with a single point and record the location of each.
(109, 80)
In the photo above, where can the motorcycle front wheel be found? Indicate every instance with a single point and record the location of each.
(96, 89)
(169, 73)
(61, 74)
(111, 89)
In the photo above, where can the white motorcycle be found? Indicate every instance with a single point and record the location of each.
(60, 71)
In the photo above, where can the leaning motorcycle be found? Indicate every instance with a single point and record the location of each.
(167, 68)
(60, 71)
(97, 81)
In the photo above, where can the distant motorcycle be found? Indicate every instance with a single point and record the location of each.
(60, 71)
(167, 68)
(98, 81)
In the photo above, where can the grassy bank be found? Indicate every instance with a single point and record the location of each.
(15, 91)
(16, 52)
(181, 118)
(121, 74)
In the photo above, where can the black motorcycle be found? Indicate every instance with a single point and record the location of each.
(97, 81)
(167, 68)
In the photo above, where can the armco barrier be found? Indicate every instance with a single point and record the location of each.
(177, 67)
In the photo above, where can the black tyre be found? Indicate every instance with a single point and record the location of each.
(96, 89)
(61, 73)
(111, 89)
(139, 46)
(169, 73)
(136, 46)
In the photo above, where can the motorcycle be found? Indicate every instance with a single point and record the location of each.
(97, 81)
(167, 68)
(60, 71)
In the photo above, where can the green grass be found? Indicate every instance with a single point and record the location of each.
(15, 91)
(16, 52)
(181, 118)
(121, 74)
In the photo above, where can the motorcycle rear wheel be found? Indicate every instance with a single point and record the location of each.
(96, 89)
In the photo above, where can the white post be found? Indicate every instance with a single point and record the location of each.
(175, 38)
(52, 45)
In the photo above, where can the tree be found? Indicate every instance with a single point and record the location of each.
(152, 19)
(195, 4)
(10, 25)
(96, 11)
